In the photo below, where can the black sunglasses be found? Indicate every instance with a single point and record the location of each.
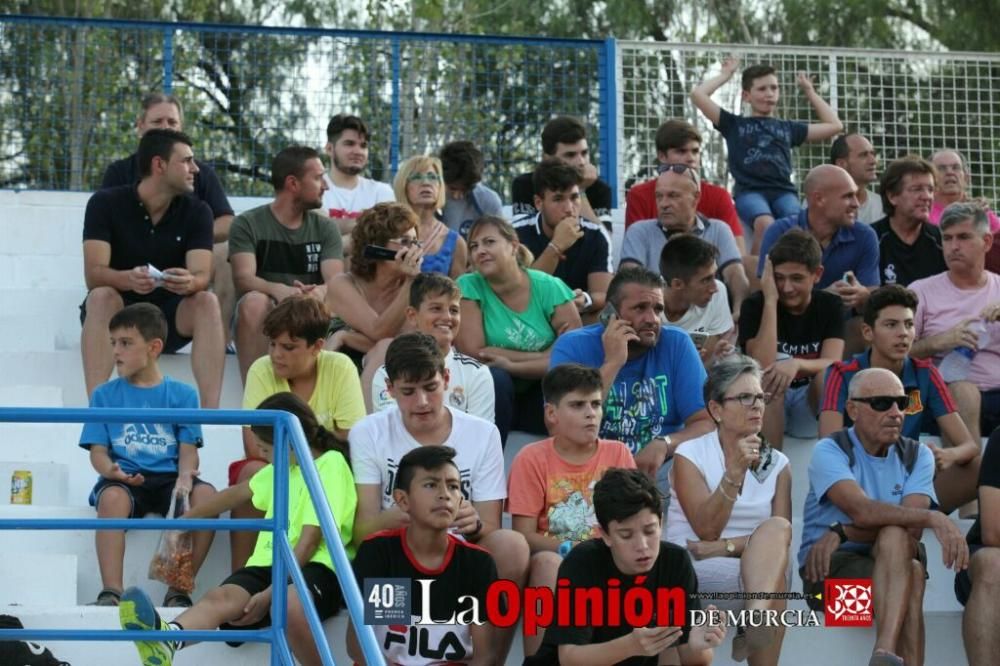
(883, 403)
(678, 168)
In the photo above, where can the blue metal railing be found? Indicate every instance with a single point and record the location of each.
(250, 91)
(286, 428)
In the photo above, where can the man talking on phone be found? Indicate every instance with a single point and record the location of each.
(151, 243)
(281, 249)
(652, 373)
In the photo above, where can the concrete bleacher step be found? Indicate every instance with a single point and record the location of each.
(49, 481)
(139, 548)
(35, 578)
(118, 653)
(29, 394)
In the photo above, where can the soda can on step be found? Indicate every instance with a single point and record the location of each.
(20, 487)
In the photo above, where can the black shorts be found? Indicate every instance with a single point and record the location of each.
(320, 579)
(963, 583)
(153, 496)
(848, 564)
(168, 307)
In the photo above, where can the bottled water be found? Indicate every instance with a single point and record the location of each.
(955, 366)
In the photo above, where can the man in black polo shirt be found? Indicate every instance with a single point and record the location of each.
(161, 111)
(565, 139)
(148, 242)
(565, 244)
(909, 245)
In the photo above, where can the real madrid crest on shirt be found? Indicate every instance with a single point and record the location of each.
(889, 274)
(457, 397)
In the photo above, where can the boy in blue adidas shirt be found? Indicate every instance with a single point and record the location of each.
(141, 465)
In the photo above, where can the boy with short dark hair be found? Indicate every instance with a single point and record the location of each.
(551, 482)
(794, 332)
(428, 490)
(468, 199)
(760, 145)
(435, 309)
(889, 330)
(142, 465)
(417, 379)
(629, 510)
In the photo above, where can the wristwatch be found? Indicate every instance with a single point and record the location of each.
(837, 528)
(669, 442)
(588, 301)
(730, 548)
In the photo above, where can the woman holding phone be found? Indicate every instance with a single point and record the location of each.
(731, 504)
(369, 300)
(419, 184)
(511, 315)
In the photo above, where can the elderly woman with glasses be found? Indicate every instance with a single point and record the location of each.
(419, 185)
(511, 315)
(370, 299)
(731, 504)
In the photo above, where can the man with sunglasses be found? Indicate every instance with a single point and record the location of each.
(888, 328)
(282, 249)
(565, 244)
(870, 497)
(678, 190)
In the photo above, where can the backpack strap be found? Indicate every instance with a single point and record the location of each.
(909, 449)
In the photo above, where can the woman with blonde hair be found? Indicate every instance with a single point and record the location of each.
(419, 184)
(511, 315)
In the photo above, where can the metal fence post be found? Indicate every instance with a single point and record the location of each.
(834, 83)
(606, 71)
(394, 120)
(168, 60)
(279, 576)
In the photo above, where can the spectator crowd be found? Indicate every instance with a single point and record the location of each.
(412, 327)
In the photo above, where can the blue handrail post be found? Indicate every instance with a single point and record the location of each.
(395, 146)
(279, 588)
(608, 90)
(168, 60)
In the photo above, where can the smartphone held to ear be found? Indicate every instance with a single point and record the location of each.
(378, 253)
(607, 313)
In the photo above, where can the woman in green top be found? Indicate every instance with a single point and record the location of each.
(244, 599)
(511, 315)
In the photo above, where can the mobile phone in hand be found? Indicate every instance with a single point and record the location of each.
(698, 338)
(378, 253)
(608, 312)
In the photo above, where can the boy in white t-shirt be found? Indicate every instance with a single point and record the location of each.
(417, 379)
(434, 309)
(693, 298)
(349, 194)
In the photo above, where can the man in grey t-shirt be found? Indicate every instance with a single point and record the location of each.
(281, 249)
(468, 199)
(678, 188)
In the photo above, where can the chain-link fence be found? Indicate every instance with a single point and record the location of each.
(70, 91)
(904, 102)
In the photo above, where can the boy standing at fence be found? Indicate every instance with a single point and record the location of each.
(142, 465)
(760, 145)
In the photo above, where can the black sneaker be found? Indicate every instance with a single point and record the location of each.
(24, 653)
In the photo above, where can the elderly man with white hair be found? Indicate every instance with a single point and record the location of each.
(953, 186)
(871, 493)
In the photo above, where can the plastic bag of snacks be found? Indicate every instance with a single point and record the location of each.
(173, 561)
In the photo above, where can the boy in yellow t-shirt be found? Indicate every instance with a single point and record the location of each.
(243, 600)
(296, 361)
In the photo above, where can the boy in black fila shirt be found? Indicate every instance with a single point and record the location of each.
(428, 490)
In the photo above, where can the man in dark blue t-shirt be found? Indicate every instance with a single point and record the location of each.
(151, 243)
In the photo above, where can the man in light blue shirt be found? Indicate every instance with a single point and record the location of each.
(870, 498)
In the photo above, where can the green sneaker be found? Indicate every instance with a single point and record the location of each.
(136, 611)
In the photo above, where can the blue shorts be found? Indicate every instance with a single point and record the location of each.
(752, 204)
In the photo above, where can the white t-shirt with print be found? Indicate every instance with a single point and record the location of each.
(380, 440)
(713, 319)
(340, 203)
(470, 387)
